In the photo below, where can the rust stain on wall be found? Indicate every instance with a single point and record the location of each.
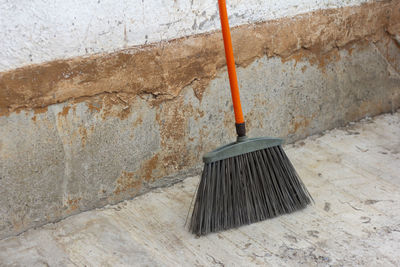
(73, 204)
(162, 70)
(314, 58)
(137, 122)
(174, 154)
(299, 123)
(40, 110)
(127, 182)
(64, 111)
(172, 120)
(84, 135)
(94, 107)
(149, 166)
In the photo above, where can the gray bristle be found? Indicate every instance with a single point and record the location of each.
(246, 189)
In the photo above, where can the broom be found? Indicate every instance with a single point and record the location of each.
(246, 181)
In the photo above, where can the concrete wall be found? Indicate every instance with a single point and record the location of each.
(36, 31)
(88, 131)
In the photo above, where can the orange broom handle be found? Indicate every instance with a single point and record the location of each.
(230, 62)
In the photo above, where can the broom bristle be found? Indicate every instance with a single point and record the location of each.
(245, 189)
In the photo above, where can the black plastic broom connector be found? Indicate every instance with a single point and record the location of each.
(241, 129)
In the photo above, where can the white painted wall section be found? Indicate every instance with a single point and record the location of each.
(36, 31)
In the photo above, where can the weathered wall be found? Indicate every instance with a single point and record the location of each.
(84, 132)
(162, 70)
(36, 31)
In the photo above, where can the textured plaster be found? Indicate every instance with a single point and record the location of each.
(36, 31)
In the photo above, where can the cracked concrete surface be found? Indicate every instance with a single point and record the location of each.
(352, 173)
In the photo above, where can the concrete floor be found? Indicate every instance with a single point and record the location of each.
(353, 174)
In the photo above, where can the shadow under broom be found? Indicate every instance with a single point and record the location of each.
(249, 180)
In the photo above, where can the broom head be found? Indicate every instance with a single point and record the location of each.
(245, 182)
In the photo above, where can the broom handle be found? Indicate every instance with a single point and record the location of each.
(230, 62)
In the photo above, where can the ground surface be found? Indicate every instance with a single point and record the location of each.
(353, 174)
